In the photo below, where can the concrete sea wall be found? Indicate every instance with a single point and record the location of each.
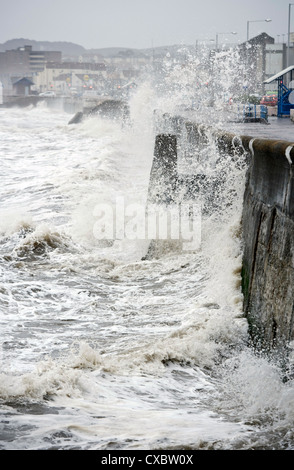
(268, 234)
(267, 218)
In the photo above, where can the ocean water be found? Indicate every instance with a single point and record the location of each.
(101, 350)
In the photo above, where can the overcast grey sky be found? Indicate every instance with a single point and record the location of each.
(141, 23)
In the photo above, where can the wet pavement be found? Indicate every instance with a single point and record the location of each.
(276, 128)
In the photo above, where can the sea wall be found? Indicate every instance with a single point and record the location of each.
(267, 218)
(268, 238)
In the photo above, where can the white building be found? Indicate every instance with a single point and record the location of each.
(63, 77)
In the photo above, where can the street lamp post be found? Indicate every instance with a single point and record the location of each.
(255, 21)
(288, 45)
(216, 38)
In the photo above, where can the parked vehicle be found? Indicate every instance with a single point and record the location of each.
(269, 100)
(48, 94)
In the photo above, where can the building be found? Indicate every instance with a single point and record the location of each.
(67, 76)
(22, 87)
(253, 56)
(275, 61)
(23, 62)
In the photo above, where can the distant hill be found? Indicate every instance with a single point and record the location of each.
(160, 51)
(72, 50)
(67, 48)
(116, 51)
